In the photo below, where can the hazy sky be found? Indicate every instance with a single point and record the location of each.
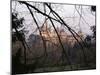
(67, 12)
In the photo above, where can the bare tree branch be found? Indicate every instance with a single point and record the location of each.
(64, 52)
(85, 58)
(44, 44)
(60, 21)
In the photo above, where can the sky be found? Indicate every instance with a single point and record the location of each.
(67, 12)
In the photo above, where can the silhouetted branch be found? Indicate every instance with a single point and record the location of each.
(60, 21)
(44, 44)
(23, 2)
(85, 58)
(64, 52)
